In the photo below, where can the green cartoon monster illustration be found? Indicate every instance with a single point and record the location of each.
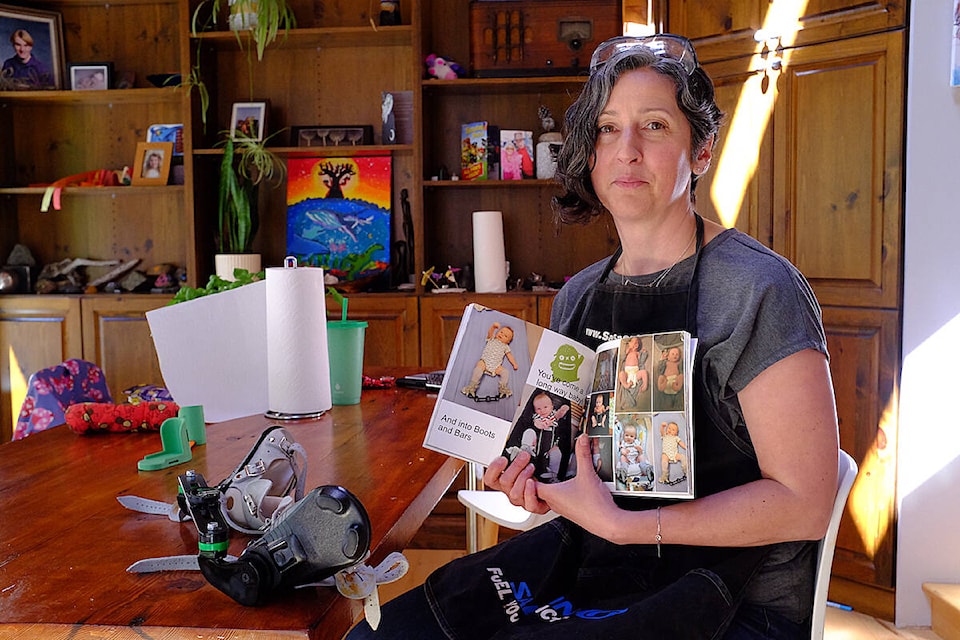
(566, 364)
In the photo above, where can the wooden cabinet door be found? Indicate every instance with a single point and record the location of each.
(35, 332)
(838, 144)
(864, 359)
(724, 29)
(116, 337)
(392, 337)
(720, 29)
(440, 316)
(737, 190)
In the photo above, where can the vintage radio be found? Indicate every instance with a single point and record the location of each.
(538, 37)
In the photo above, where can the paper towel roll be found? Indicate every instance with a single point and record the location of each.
(298, 368)
(489, 259)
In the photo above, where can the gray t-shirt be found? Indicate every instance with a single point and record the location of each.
(754, 308)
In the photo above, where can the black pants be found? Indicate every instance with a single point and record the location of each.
(558, 579)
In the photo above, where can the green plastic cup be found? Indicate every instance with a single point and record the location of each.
(345, 350)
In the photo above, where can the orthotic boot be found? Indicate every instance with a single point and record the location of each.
(325, 532)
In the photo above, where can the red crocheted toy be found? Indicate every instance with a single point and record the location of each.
(89, 417)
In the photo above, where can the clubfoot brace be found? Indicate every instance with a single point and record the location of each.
(325, 532)
(270, 477)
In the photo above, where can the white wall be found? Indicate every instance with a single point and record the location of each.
(928, 546)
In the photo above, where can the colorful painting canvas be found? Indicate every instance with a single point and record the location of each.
(338, 214)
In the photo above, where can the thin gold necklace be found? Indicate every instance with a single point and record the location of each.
(663, 274)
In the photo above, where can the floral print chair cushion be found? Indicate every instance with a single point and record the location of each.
(50, 391)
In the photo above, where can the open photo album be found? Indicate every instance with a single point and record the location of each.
(513, 386)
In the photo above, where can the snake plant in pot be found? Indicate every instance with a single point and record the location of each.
(247, 163)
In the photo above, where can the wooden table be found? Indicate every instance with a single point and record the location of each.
(65, 541)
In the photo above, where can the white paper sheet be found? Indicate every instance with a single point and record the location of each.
(213, 351)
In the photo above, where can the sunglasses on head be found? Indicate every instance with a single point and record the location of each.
(663, 45)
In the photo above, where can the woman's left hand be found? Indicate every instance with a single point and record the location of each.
(583, 499)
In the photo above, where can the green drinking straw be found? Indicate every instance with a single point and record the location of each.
(338, 297)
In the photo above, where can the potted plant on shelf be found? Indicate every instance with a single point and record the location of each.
(247, 163)
(264, 19)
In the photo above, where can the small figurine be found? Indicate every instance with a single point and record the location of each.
(546, 119)
(445, 282)
(548, 145)
(389, 14)
(442, 68)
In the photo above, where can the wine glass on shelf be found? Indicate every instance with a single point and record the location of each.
(337, 136)
(322, 136)
(307, 135)
(354, 135)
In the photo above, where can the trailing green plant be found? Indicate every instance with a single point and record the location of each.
(195, 81)
(272, 17)
(216, 284)
(246, 163)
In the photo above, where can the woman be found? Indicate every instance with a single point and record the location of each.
(738, 561)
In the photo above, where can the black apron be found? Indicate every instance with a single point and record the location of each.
(560, 581)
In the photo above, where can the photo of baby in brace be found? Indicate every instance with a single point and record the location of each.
(598, 417)
(603, 378)
(601, 450)
(668, 373)
(544, 431)
(634, 472)
(672, 454)
(633, 375)
(491, 365)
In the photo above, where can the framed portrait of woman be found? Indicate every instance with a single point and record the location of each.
(34, 55)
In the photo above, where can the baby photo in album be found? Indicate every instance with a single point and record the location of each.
(490, 365)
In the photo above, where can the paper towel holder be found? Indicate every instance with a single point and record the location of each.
(290, 262)
(277, 415)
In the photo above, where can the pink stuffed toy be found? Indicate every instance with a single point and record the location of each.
(442, 68)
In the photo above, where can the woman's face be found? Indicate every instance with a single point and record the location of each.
(643, 162)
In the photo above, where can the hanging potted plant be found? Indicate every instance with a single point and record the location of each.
(246, 164)
(263, 19)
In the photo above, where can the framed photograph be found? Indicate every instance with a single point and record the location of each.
(342, 135)
(89, 76)
(35, 49)
(152, 166)
(248, 120)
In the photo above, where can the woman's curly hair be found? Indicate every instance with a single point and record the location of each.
(695, 97)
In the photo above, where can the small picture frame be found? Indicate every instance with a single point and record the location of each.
(248, 120)
(152, 165)
(343, 135)
(35, 40)
(90, 76)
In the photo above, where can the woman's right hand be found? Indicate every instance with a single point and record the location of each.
(515, 479)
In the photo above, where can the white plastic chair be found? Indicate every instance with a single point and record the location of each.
(846, 474)
(487, 511)
(495, 508)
